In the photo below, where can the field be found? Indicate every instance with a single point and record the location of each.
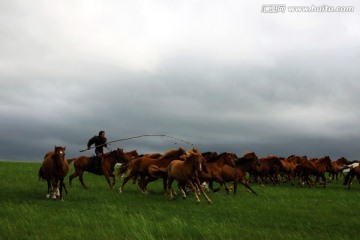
(277, 212)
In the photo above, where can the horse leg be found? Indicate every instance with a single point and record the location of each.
(127, 178)
(113, 176)
(81, 179)
(72, 176)
(182, 189)
(169, 188)
(324, 179)
(106, 175)
(246, 185)
(49, 188)
(197, 181)
(54, 187)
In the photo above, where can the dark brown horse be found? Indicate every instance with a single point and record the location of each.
(237, 174)
(54, 169)
(140, 167)
(315, 167)
(99, 166)
(214, 168)
(186, 172)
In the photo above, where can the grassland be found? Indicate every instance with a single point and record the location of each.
(278, 212)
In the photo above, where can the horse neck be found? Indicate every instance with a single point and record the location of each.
(58, 160)
(110, 158)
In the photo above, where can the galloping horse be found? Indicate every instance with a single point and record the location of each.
(237, 174)
(316, 167)
(140, 167)
(186, 173)
(214, 167)
(337, 167)
(54, 169)
(99, 166)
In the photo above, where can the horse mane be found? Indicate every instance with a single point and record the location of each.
(172, 153)
(217, 157)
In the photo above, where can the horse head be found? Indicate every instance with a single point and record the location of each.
(230, 159)
(121, 157)
(60, 150)
(195, 158)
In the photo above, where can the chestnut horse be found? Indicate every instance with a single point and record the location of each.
(54, 169)
(186, 172)
(140, 167)
(98, 165)
(237, 174)
(214, 168)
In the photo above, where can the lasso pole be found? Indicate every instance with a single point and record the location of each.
(145, 135)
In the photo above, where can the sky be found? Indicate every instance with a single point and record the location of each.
(223, 75)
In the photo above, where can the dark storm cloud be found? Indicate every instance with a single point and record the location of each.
(277, 85)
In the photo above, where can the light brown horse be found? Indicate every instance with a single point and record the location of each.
(214, 168)
(99, 166)
(54, 169)
(186, 172)
(140, 167)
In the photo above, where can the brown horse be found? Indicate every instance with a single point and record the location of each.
(140, 167)
(54, 169)
(316, 167)
(237, 174)
(186, 172)
(214, 168)
(99, 166)
(337, 167)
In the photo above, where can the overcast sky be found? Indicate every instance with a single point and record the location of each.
(222, 75)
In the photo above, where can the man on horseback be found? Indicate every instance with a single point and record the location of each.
(100, 143)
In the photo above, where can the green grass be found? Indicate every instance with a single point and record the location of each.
(278, 212)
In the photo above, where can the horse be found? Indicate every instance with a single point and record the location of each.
(337, 167)
(214, 168)
(186, 172)
(54, 169)
(98, 165)
(268, 167)
(140, 167)
(125, 166)
(316, 167)
(237, 173)
(354, 171)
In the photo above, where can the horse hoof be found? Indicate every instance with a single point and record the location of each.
(53, 197)
(209, 202)
(47, 195)
(120, 190)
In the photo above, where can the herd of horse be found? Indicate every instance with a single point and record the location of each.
(191, 169)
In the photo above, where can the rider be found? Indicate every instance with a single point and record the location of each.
(98, 140)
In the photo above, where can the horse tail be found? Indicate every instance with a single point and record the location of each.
(41, 174)
(70, 160)
(157, 172)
